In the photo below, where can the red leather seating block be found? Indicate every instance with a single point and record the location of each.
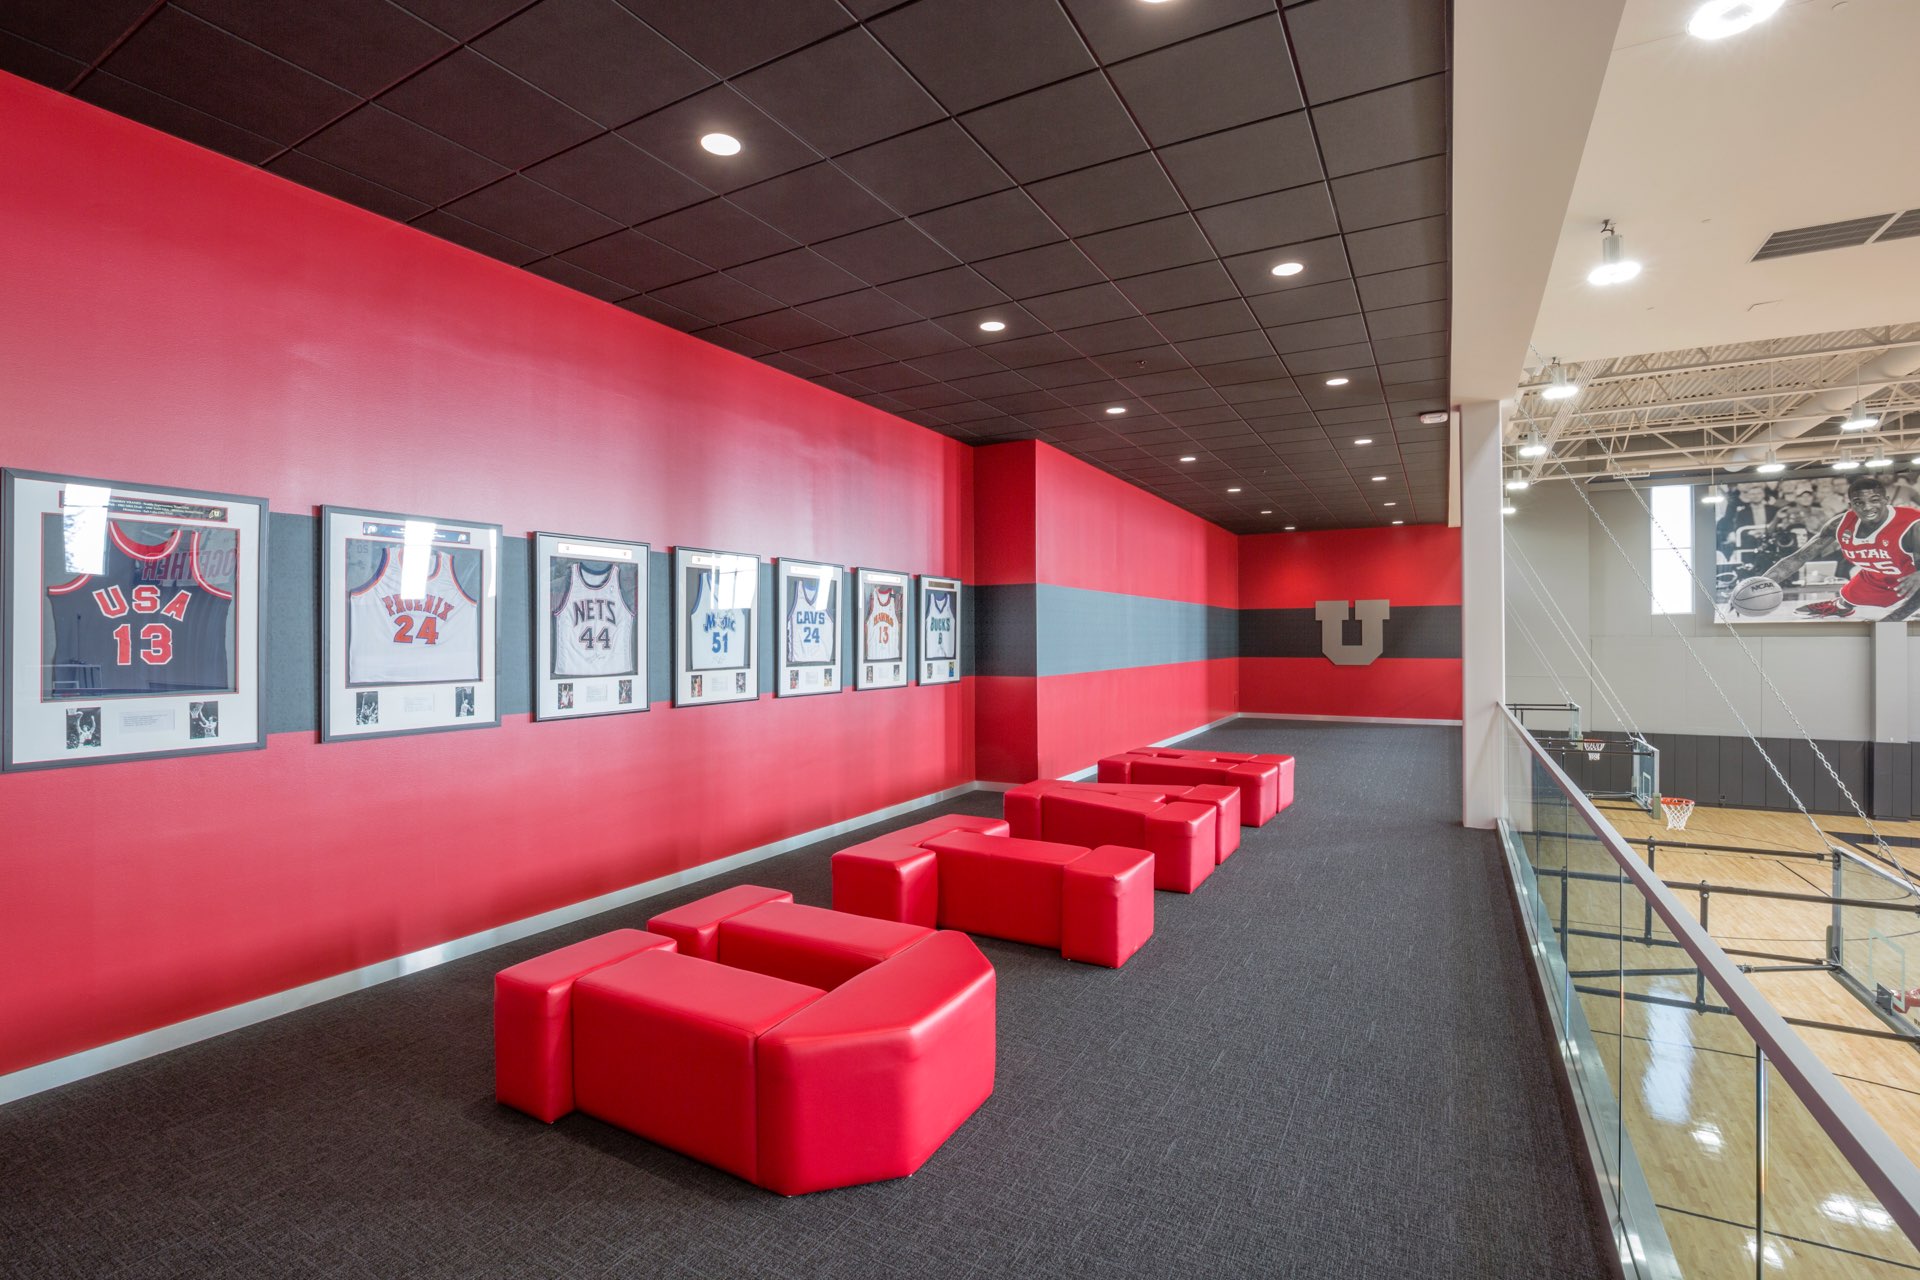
(533, 1020)
(1107, 905)
(1183, 837)
(1002, 887)
(664, 1046)
(696, 926)
(919, 832)
(810, 945)
(887, 882)
(1224, 799)
(1265, 781)
(867, 1082)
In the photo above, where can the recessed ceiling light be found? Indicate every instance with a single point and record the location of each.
(1399, 521)
(1434, 418)
(1338, 382)
(1392, 504)
(1291, 528)
(1378, 479)
(1266, 511)
(992, 326)
(721, 144)
(1233, 491)
(1615, 267)
(1289, 268)
(1187, 457)
(1718, 19)
(1364, 440)
(1115, 410)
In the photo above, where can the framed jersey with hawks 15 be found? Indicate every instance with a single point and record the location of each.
(589, 627)
(133, 621)
(939, 630)
(410, 618)
(716, 616)
(881, 659)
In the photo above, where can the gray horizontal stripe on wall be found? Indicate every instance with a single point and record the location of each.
(1410, 631)
(1030, 629)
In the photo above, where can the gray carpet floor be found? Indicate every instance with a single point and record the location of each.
(1327, 1062)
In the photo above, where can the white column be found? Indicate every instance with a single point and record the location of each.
(1891, 718)
(1483, 610)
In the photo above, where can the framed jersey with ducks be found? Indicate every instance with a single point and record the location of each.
(881, 659)
(589, 626)
(809, 627)
(133, 619)
(939, 630)
(716, 618)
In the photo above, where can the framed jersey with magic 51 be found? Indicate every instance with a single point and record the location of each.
(133, 621)
(716, 616)
(589, 626)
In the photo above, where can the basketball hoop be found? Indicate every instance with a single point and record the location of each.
(1905, 1001)
(1678, 811)
(1593, 747)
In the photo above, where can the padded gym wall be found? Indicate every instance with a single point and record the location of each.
(1284, 667)
(176, 318)
(1105, 615)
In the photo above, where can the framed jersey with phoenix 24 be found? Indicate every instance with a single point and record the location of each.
(715, 617)
(881, 659)
(132, 621)
(589, 627)
(939, 630)
(410, 619)
(809, 627)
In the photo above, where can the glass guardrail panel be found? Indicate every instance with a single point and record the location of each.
(1876, 931)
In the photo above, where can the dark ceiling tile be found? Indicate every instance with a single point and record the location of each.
(76, 31)
(341, 185)
(479, 239)
(1075, 307)
(1064, 373)
(673, 134)
(728, 41)
(1026, 353)
(594, 56)
(861, 312)
(997, 382)
(719, 234)
(1284, 217)
(1201, 399)
(461, 19)
(1122, 30)
(1071, 125)
(1307, 302)
(930, 167)
(960, 364)
(904, 342)
(1048, 269)
(1148, 246)
(1333, 332)
(1414, 346)
(565, 273)
(1224, 347)
(176, 55)
(787, 362)
(1387, 126)
(387, 42)
(1186, 286)
(1257, 369)
(888, 377)
(1324, 259)
(779, 330)
(1397, 193)
(799, 276)
(532, 214)
(1052, 418)
(620, 180)
(197, 127)
(663, 313)
(630, 258)
(1106, 391)
(942, 293)
(1354, 360)
(1360, 413)
(841, 93)
(885, 253)
(990, 226)
(1404, 288)
(926, 396)
(1401, 372)
(815, 203)
(717, 298)
(38, 63)
(479, 105)
(1359, 45)
(1114, 335)
(1170, 377)
(972, 51)
(1268, 156)
(1226, 78)
(397, 153)
(1401, 245)
(1115, 194)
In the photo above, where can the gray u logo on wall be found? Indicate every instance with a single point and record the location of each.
(1373, 631)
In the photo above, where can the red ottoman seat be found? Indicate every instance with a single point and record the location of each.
(1265, 781)
(1183, 836)
(1107, 905)
(810, 945)
(887, 882)
(696, 926)
(1023, 804)
(1002, 887)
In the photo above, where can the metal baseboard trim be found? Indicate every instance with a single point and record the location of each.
(1289, 715)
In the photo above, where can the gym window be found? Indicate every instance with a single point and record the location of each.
(1672, 540)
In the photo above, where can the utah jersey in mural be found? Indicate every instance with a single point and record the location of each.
(1818, 549)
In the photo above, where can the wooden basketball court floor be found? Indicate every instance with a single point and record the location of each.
(1689, 1101)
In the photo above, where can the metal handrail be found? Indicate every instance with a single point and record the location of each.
(1880, 1164)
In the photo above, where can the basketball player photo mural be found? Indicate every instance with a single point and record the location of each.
(882, 660)
(716, 657)
(809, 624)
(132, 621)
(1817, 549)
(590, 629)
(939, 630)
(410, 617)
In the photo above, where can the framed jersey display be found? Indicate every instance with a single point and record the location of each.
(939, 630)
(589, 627)
(133, 621)
(715, 613)
(880, 661)
(809, 627)
(410, 615)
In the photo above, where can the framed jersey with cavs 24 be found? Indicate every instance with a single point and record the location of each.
(939, 630)
(589, 627)
(807, 630)
(715, 619)
(133, 621)
(410, 622)
(880, 659)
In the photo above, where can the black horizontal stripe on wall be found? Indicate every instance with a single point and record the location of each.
(1410, 631)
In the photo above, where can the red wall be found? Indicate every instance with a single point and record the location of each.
(174, 318)
(1414, 565)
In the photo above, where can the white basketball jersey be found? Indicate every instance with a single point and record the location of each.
(884, 634)
(943, 641)
(809, 624)
(718, 639)
(427, 638)
(593, 625)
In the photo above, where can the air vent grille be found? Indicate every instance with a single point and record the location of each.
(1907, 224)
(1828, 235)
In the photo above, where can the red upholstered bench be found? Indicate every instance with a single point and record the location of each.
(1185, 835)
(1265, 781)
(1024, 810)
(1095, 905)
(812, 1049)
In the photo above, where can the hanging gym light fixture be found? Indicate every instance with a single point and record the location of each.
(1560, 385)
(1615, 267)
